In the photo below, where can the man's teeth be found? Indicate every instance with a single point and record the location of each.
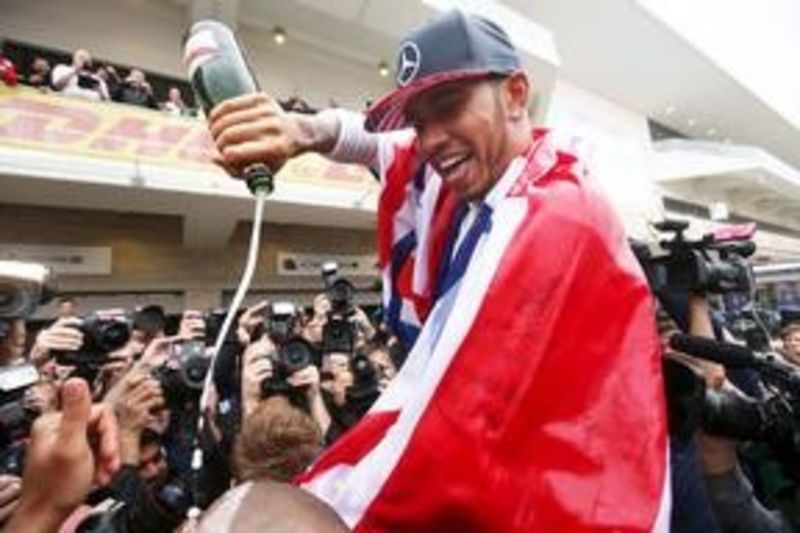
(450, 163)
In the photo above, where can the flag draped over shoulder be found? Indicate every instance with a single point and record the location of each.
(537, 405)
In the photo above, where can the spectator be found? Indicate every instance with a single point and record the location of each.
(12, 344)
(137, 91)
(78, 79)
(379, 356)
(8, 72)
(174, 104)
(791, 343)
(109, 75)
(40, 73)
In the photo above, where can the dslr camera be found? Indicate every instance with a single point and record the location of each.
(101, 336)
(183, 375)
(338, 334)
(15, 418)
(293, 352)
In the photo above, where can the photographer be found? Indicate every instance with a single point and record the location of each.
(730, 493)
(136, 90)
(258, 371)
(78, 79)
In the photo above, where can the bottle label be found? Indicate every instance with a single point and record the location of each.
(200, 48)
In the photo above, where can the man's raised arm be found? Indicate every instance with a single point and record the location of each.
(254, 129)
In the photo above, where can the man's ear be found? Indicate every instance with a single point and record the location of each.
(516, 95)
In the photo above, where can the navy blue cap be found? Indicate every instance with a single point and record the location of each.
(453, 46)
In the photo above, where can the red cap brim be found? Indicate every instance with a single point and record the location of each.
(389, 112)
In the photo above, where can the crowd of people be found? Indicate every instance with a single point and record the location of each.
(288, 382)
(87, 79)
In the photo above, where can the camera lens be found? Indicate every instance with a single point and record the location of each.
(112, 335)
(296, 355)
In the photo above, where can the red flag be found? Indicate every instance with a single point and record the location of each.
(539, 407)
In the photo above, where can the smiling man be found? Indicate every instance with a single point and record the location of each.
(531, 398)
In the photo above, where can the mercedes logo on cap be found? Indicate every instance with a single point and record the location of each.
(408, 63)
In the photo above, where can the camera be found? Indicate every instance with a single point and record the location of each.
(364, 391)
(214, 320)
(183, 375)
(101, 336)
(340, 291)
(15, 418)
(23, 287)
(293, 355)
(708, 264)
(338, 334)
(281, 322)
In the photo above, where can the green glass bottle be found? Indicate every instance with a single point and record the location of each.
(218, 71)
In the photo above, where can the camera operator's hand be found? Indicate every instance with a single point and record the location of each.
(10, 489)
(69, 452)
(140, 396)
(338, 364)
(308, 379)
(249, 320)
(193, 325)
(256, 367)
(254, 129)
(63, 335)
(362, 323)
(322, 306)
(157, 353)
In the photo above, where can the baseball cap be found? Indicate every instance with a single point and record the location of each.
(454, 46)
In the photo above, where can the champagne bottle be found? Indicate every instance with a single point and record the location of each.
(218, 71)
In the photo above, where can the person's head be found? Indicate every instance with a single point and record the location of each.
(81, 59)
(278, 441)
(136, 77)
(152, 459)
(148, 323)
(791, 342)
(66, 307)
(268, 506)
(40, 65)
(461, 87)
(175, 95)
(12, 342)
(378, 354)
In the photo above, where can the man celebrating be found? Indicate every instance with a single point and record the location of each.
(531, 398)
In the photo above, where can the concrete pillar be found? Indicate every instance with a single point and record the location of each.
(202, 299)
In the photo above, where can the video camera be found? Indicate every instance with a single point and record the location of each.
(715, 264)
(23, 287)
(338, 334)
(774, 420)
(15, 418)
